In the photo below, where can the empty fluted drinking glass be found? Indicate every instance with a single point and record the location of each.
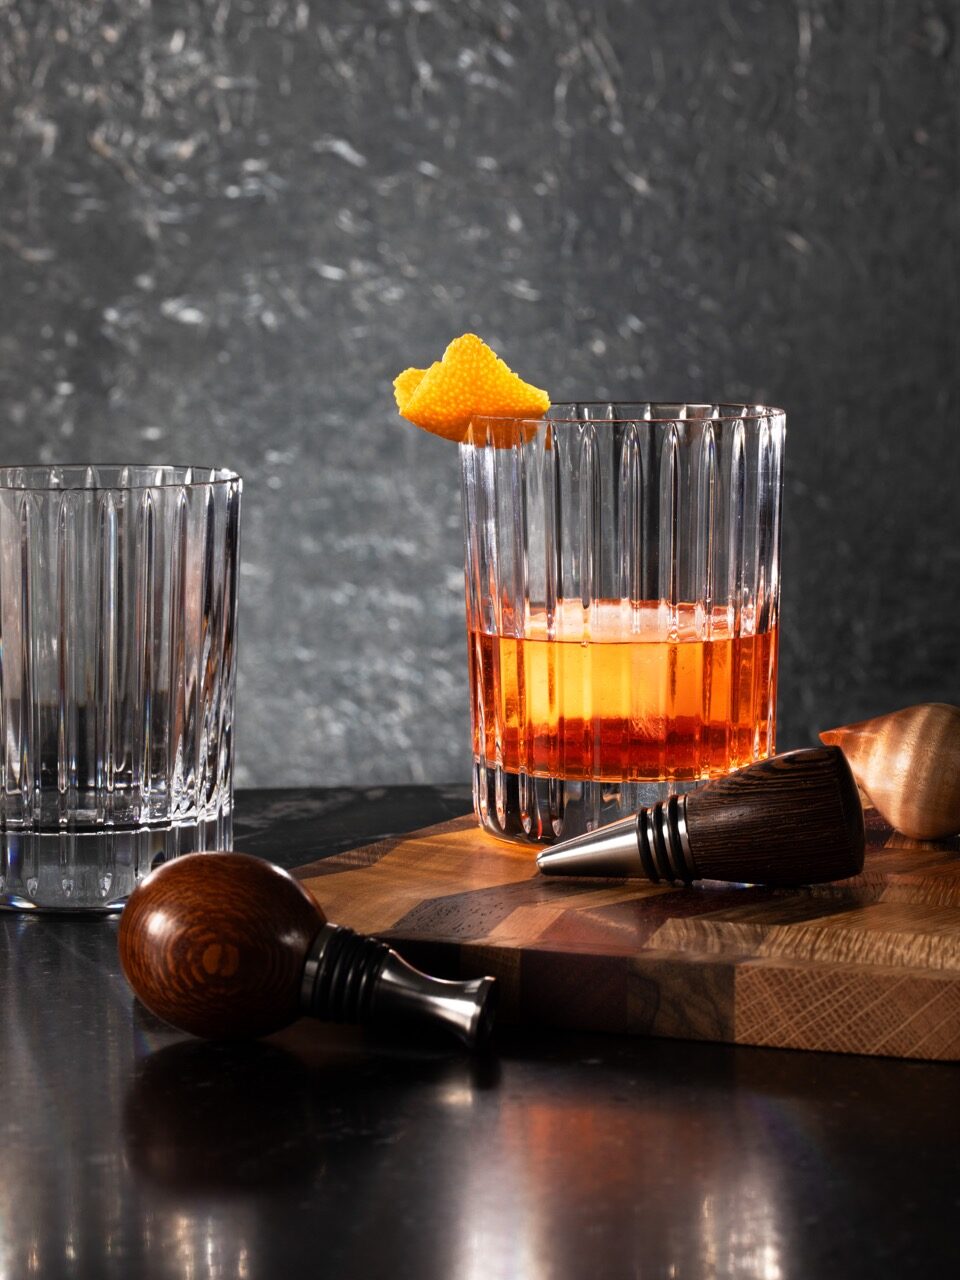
(623, 586)
(118, 594)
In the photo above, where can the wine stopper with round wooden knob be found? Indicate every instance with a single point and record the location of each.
(227, 946)
(908, 764)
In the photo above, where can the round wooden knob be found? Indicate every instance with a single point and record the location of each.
(216, 944)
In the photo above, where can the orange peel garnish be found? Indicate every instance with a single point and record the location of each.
(470, 381)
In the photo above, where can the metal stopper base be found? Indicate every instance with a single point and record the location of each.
(664, 842)
(340, 974)
(351, 978)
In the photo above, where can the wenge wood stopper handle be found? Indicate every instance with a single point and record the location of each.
(228, 946)
(792, 820)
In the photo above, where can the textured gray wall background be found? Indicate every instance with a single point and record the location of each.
(225, 226)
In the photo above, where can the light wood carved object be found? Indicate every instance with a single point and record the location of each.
(908, 764)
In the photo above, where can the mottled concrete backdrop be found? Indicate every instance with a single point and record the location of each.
(224, 227)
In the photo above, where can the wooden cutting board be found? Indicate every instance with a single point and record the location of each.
(868, 965)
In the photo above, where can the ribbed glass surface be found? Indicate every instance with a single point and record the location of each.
(623, 578)
(118, 630)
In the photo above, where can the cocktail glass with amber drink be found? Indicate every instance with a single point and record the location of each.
(622, 582)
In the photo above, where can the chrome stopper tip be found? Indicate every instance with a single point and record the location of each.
(610, 851)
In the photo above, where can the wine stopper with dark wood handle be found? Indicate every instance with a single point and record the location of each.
(225, 945)
(792, 820)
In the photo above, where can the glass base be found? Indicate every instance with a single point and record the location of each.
(530, 810)
(94, 872)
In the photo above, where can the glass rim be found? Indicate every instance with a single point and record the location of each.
(720, 411)
(73, 477)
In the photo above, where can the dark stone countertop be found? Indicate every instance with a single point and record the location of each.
(132, 1150)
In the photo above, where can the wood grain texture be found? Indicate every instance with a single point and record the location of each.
(908, 763)
(793, 819)
(215, 944)
(867, 965)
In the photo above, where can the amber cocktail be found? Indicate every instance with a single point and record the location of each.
(622, 604)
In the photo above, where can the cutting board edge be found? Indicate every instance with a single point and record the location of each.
(671, 995)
